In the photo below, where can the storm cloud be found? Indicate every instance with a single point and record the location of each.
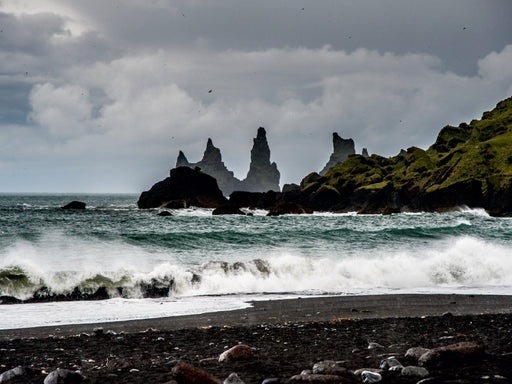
(100, 96)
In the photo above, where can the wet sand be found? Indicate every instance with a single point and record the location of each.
(286, 336)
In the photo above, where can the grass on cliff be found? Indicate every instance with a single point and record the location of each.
(481, 150)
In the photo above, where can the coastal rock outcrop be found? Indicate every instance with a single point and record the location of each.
(343, 148)
(263, 176)
(212, 164)
(184, 187)
(74, 205)
(469, 165)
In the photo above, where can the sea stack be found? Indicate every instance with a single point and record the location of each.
(343, 148)
(212, 165)
(263, 176)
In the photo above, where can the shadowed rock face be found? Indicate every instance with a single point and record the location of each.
(186, 187)
(212, 164)
(343, 148)
(263, 176)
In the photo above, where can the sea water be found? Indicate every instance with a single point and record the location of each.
(216, 263)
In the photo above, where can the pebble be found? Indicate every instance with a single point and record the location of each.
(374, 345)
(449, 353)
(12, 373)
(233, 379)
(60, 376)
(390, 362)
(415, 353)
(329, 367)
(272, 380)
(370, 377)
(238, 352)
(415, 372)
(319, 379)
(186, 373)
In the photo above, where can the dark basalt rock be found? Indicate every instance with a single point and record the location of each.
(212, 164)
(343, 148)
(164, 214)
(75, 205)
(261, 200)
(286, 208)
(227, 209)
(185, 185)
(263, 176)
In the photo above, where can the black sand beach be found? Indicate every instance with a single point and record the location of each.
(286, 337)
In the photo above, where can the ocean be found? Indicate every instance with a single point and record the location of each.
(193, 262)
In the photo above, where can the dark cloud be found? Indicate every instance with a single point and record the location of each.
(101, 96)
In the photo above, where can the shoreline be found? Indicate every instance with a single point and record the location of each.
(286, 337)
(302, 309)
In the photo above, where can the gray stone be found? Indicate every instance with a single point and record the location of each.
(370, 377)
(374, 345)
(272, 380)
(415, 353)
(12, 373)
(329, 367)
(64, 376)
(233, 379)
(415, 372)
(390, 362)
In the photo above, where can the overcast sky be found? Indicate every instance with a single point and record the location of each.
(100, 95)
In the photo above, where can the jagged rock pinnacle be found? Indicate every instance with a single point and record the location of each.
(263, 176)
(343, 148)
(182, 161)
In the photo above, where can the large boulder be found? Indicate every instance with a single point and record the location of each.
(183, 188)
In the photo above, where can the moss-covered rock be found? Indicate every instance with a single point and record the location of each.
(467, 165)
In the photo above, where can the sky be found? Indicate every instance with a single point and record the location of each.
(100, 95)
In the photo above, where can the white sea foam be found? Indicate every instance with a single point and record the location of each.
(449, 264)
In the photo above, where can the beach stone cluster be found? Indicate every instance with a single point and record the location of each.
(390, 370)
(401, 351)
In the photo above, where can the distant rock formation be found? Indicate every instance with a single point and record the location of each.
(263, 176)
(365, 152)
(74, 205)
(212, 164)
(343, 148)
(185, 187)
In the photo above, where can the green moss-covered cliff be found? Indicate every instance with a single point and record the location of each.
(467, 165)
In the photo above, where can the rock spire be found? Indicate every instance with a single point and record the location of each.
(263, 176)
(343, 148)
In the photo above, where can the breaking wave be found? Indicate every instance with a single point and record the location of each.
(455, 263)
